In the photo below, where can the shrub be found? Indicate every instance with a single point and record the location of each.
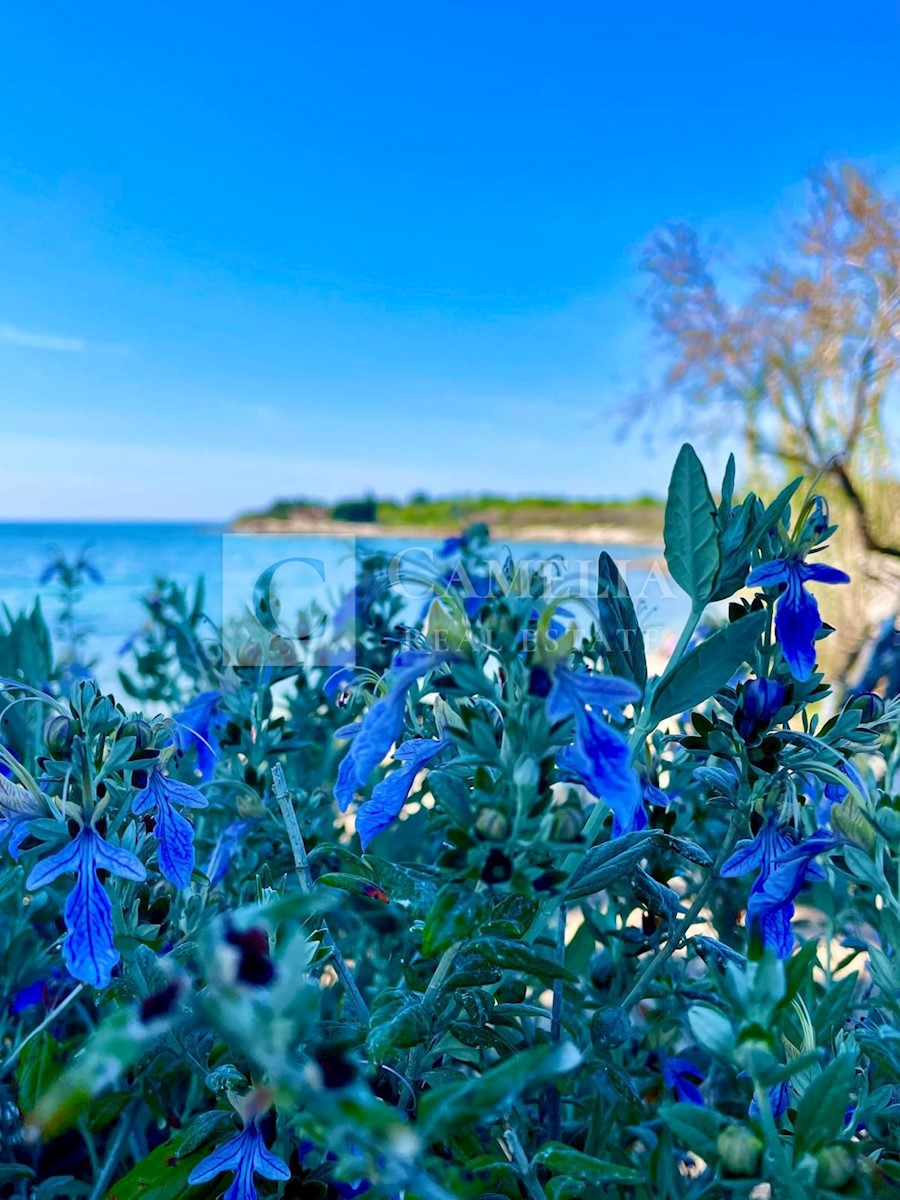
(494, 914)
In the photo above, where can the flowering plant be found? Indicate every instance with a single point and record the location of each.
(500, 913)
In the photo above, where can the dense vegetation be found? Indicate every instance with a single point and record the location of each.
(469, 907)
(448, 512)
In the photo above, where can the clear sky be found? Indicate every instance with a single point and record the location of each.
(251, 250)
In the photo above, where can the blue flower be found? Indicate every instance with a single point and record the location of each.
(174, 833)
(453, 545)
(389, 796)
(599, 757)
(650, 794)
(339, 679)
(17, 807)
(196, 727)
(476, 589)
(88, 948)
(246, 1155)
(797, 619)
(836, 793)
(226, 843)
(346, 1191)
(682, 1077)
(758, 702)
(28, 997)
(783, 866)
(13, 831)
(373, 736)
(779, 1099)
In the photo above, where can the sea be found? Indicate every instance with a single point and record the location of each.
(301, 571)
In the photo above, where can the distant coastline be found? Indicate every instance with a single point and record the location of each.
(537, 519)
(593, 534)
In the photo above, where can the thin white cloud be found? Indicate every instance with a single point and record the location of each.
(40, 341)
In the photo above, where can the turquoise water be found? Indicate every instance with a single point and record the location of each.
(130, 556)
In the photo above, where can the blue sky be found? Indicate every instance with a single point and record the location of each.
(251, 251)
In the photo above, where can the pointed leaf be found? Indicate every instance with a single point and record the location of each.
(691, 533)
(707, 667)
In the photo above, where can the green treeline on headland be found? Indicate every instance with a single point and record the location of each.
(423, 511)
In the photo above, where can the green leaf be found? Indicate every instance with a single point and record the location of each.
(771, 516)
(727, 488)
(398, 1021)
(457, 912)
(691, 533)
(564, 1160)
(654, 896)
(480, 1037)
(609, 862)
(465, 1102)
(624, 643)
(11, 1171)
(516, 956)
(452, 796)
(163, 1175)
(708, 667)
(39, 1065)
(823, 1106)
(712, 1030)
(215, 1123)
(832, 1008)
(687, 849)
(696, 1128)
(354, 885)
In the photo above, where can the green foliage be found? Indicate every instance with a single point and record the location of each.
(693, 553)
(522, 986)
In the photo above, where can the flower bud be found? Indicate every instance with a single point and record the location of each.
(539, 681)
(492, 825)
(610, 1027)
(59, 733)
(870, 704)
(567, 823)
(140, 730)
(526, 774)
(818, 522)
(739, 1149)
(835, 1166)
(249, 654)
(758, 702)
(601, 969)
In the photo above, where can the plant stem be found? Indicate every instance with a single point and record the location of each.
(48, 1020)
(519, 1159)
(427, 1189)
(678, 935)
(554, 1103)
(782, 1173)
(112, 1152)
(687, 633)
(304, 874)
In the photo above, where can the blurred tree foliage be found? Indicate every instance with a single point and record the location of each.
(808, 360)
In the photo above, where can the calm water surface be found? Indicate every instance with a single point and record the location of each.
(131, 556)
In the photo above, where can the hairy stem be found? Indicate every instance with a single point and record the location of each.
(519, 1160)
(676, 938)
(113, 1151)
(48, 1020)
(304, 874)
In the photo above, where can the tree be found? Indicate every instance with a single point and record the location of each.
(810, 359)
